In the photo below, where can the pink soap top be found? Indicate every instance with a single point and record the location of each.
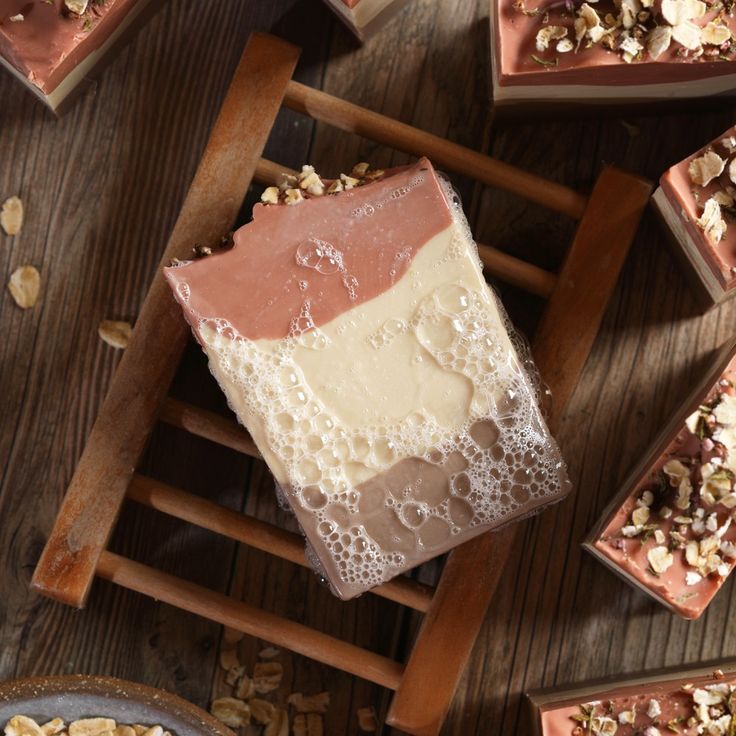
(347, 262)
(519, 61)
(50, 41)
(673, 706)
(673, 533)
(688, 199)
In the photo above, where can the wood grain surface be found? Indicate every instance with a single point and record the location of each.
(102, 189)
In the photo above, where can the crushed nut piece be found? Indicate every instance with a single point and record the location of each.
(17, 18)
(660, 559)
(231, 711)
(25, 286)
(293, 196)
(77, 6)
(270, 195)
(11, 215)
(546, 35)
(267, 676)
(367, 720)
(115, 333)
(711, 222)
(361, 169)
(705, 168)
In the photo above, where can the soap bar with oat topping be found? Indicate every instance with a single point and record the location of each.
(354, 335)
(688, 701)
(671, 530)
(365, 17)
(547, 52)
(695, 200)
(52, 46)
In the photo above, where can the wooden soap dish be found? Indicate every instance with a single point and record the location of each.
(577, 297)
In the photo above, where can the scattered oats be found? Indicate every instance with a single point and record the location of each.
(640, 515)
(646, 499)
(91, 726)
(245, 688)
(231, 711)
(315, 724)
(725, 411)
(77, 6)
(234, 674)
(229, 659)
(299, 727)
(659, 40)
(125, 731)
(705, 168)
(711, 222)
(114, 333)
(692, 578)
(310, 703)
(660, 559)
(659, 537)
(17, 18)
(154, 731)
(367, 719)
(627, 717)
(279, 725)
(335, 187)
(651, 731)
(287, 181)
(654, 709)
(564, 46)
(293, 196)
(25, 286)
(269, 653)
(715, 34)
(665, 512)
(724, 200)
(360, 169)
(603, 726)
(546, 35)
(270, 195)
(231, 637)
(729, 143)
(267, 676)
(631, 531)
(312, 184)
(11, 215)
(261, 710)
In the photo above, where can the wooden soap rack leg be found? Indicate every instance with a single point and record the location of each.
(77, 548)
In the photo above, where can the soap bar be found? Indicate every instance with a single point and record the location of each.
(357, 340)
(365, 17)
(670, 531)
(685, 701)
(635, 51)
(695, 200)
(52, 46)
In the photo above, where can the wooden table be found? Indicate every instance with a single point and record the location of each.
(102, 188)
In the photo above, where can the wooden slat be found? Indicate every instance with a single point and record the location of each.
(503, 266)
(443, 153)
(561, 347)
(92, 503)
(208, 424)
(256, 533)
(249, 619)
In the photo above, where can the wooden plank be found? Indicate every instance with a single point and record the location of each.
(93, 500)
(259, 534)
(382, 129)
(472, 572)
(249, 619)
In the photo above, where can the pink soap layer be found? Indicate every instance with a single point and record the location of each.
(630, 554)
(50, 41)
(515, 44)
(676, 704)
(260, 273)
(687, 199)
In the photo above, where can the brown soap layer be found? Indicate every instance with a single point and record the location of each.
(687, 199)
(630, 554)
(259, 283)
(50, 42)
(515, 44)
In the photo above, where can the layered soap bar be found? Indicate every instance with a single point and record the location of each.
(670, 531)
(695, 200)
(618, 52)
(354, 335)
(688, 701)
(52, 46)
(365, 17)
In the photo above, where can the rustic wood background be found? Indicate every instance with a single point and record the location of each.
(102, 188)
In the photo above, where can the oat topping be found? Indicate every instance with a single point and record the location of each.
(295, 189)
(11, 213)
(17, 18)
(79, 7)
(710, 710)
(686, 508)
(635, 30)
(367, 719)
(115, 333)
(100, 726)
